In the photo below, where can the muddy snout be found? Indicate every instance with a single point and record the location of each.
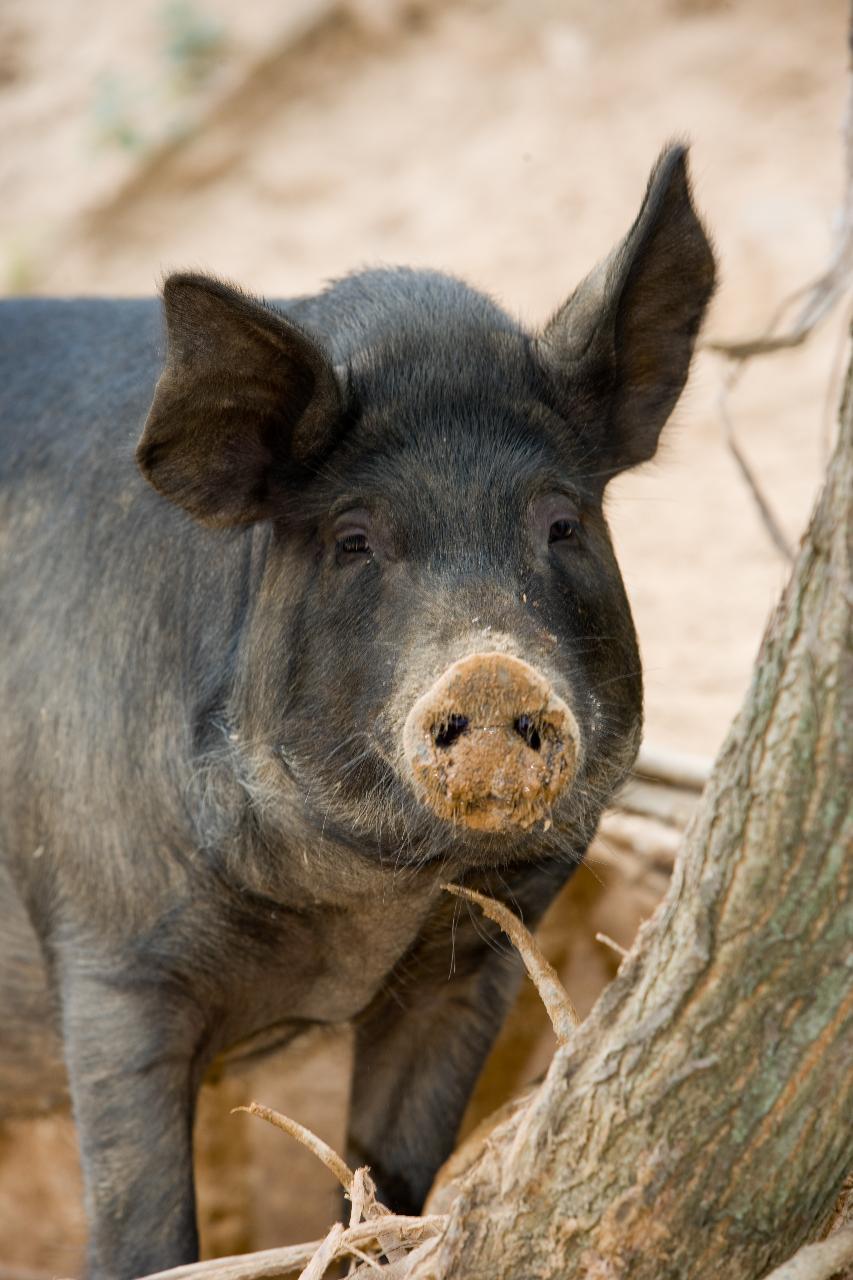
(491, 745)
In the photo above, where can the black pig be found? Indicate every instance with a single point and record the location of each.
(362, 633)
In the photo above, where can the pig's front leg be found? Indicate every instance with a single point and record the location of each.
(421, 1044)
(133, 1085)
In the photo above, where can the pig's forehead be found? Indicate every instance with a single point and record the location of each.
(468, 455)
(453, 411)
(440, 360)
(453, 398)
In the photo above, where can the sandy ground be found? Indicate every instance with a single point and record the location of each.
(508, 141)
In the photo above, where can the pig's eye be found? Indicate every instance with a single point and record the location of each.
(352, 537)
(353, 544)
(563, 529)
(555, 519)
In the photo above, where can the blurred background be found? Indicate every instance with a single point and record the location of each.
(280, 144)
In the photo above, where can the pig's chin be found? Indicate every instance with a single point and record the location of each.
(387, 816)
(410, 834)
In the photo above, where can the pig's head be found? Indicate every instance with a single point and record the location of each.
(439, 654)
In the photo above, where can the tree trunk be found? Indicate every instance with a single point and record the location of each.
(700, 1123)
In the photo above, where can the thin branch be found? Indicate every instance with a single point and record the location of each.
(818, 1261)
(564, 1017)
(674, 768)
(613, 945)
(821, 296)
(768, 519)
(819, 299)
(330, 1158)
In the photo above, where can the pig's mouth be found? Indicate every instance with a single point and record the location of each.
(512, 811)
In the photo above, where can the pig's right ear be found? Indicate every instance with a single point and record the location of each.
(246, 398)
(618, 352)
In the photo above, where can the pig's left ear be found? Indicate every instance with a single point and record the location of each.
(618, 352)
(245, 399)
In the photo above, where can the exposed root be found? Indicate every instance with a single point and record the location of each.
(819, 1261)
(564, 1017)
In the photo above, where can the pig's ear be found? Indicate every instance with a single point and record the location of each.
(618, 352)
(245, 399)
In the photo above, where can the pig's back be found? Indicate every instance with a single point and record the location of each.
(86, 365)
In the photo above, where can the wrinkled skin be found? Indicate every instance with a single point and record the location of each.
(211, 833)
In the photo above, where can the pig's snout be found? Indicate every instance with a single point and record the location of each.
(491, 745)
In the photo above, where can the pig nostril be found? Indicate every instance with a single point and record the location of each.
(447, 733)
(525, 727)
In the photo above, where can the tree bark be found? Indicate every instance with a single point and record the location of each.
(700, 1123)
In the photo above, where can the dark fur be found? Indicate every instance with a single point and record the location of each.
(209, 839)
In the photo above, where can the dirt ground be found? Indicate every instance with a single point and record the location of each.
(507, 141)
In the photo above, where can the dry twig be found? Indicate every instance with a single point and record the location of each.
(564, 1017)
(768, 518)
(612, 944)
(333, 1162)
